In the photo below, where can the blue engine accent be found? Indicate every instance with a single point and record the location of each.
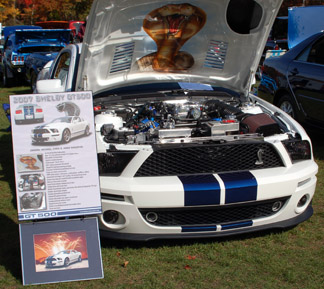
(200, 190)
(186, 229)
(240, 187)
(237, 225)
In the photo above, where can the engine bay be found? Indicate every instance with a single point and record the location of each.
(184, 119)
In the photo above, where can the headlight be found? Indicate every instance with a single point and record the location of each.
(113, 163)
(54, 130)
(298, 150)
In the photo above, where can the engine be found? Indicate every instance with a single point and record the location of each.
(181, 120)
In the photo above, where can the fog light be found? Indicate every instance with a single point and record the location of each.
(302, 201)
(19, 70)
(151, 217)
(276, 206)
(110, 217)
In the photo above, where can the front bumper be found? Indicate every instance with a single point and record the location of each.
(128, 196)
(46, 137)
(54, 264)
(145, 237)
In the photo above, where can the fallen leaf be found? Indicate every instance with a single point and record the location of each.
(125, 264)
(187, 267)
(189, 257)
(118, 254)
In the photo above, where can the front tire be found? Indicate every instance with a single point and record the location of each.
(66, 136)
(33, 79)
(66, 262)
(5, 80)
(87, 131)
(287, 104)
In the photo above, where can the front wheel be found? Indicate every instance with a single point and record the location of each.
(5, 80)
(87, 131)
(33, 79)
(287, 104)
(66, 262)
(66, 136)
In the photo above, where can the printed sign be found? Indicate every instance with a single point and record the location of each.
(55, 155)
(59, 251)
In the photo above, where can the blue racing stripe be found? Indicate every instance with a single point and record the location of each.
(237, 225)
(200, 190)
(240, 187)
(186, 229)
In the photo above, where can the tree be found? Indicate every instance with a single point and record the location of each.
(8, 12)
(31, 11)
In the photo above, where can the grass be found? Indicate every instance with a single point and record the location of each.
(286, 259)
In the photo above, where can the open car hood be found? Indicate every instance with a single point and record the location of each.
(215, 42)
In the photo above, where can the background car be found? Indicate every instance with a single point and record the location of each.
(21, 42)
(295, 81)
(35, 62)
(28, 113)
(63, 258)
(72, 24)
(61, 129)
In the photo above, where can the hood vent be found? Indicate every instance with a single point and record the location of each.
(122, 57)
(216, 54)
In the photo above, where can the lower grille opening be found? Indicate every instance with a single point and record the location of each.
(213, 215)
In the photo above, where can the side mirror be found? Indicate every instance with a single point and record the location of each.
(49, 86)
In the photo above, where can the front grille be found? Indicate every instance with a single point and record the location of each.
(207, 159)
(40, 130)
(215, 215)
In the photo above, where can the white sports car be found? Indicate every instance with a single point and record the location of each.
(28, 113)
(63, 258)
(61, 129)
(184, 149)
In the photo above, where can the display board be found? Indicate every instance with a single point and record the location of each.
(55, 156)
(60, 251)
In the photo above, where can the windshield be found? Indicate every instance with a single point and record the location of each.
(66, 119)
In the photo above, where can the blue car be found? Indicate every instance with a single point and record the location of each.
(35, 62)
(295, 81)
(19, 43)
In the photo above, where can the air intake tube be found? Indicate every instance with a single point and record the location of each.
(217, 108)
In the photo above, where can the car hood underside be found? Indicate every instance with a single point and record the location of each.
(206, 41)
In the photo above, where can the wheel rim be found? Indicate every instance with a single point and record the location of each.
(287, 107)
(66, 135)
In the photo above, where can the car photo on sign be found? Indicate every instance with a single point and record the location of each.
(61, 251)
(62, 129)
(28, 113)
(63, 258)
